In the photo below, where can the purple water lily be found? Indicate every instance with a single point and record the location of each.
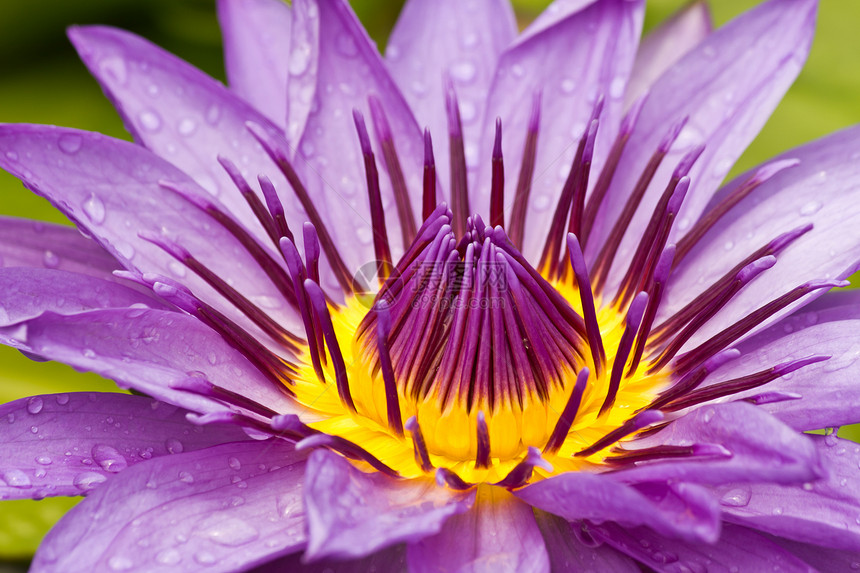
(567, 348)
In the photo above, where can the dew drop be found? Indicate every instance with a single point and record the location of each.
(300, 59)
(86, 481)
(517, 70)
(187, 127)
(12, 155)
(115, 68)
(173, 446)
(118, 563)
(810, 208)
(35, 404)
(168, 557)
(616, 87)
(95, 209)
(213, 114)
(186, 477)
(737, 497)
(150, 120)
(463, 72)
(70, 143)
(109, 458)
(232, 532)
(50, 260)
(44, 460)
(15, 478)
(568, 86)
(152, 90)
(204, 558)
(469, 40)
(419, 88)
(234, 464)
(177, 268)
(777, 511)
(392, 53)
(124, 249)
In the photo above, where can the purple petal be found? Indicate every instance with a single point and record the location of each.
(352, 514)
(665, 45)
(728, 86)
(823, 512)
(112, 189)
(25, 243)
(812, 192)
(28, 292)
(829, 389)
(152, 351)
(68, 444)
(585, 53)
(679, 510)
(183, 115)
(223, 508)
(568, 553)
(498, 534)
(467, 39)
(738, 549)
(757, 447)
(256, 52)
(822, 558)
(391, 560)
(349, 70)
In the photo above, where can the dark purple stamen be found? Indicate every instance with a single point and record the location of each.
(631, 327)
(565, 421)
(482, 457)
(447, 478)
(345, 448)
(377, 216)
(315, 343)
(497, 188)
(710, 294)
(592, 328)
(291, 425)
(422, 456)
(634, 424)
(263, 215)
(583, 170)
(742, 384)
(275, 148)
(395, 172)
(312, 251)
(595, 201)
(459, 173)
(524, 182)
(691, 380)
(772, 397)
(724, 206)
(522, 472)
(661, 275)
(429, 192)
(730, 334)
(741, 279)
(273, 203)
(317, 299)
(605, 257)
(621, 456)
(392, 401)
(206, 388)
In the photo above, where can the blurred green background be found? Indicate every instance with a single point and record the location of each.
(42, 81)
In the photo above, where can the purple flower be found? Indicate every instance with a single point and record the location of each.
(344, 367)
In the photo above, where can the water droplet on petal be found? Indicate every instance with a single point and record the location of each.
(50, 260)
(616, 88)
(115, 68)
(15, 478)
(463, 72)
(234, 464)
(568, 86)
(204, 558)
(213, 114)
(44, 460)
(117, 563)
(95, 209)
(12, 155)
(150, 120)
(173, 446)
(300, 59)
(168, 557)
(87, 481)
(35, 404)
(187, 126)
(70, 143)
(232, 532)
(109, 458)
(810, 208)
(186, 477)
(737, 497)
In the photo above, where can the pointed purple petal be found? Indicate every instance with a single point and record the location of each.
(68, 444)
(676, 510)
(391, 560)
(111, 188)
(738, 549)
(28, 292)
(467, 39)
(728, 86)
(389, 512)
(568, 553)
(815, 191)
(665, 45)
(152, 351)
(584, 54)
(182, 115)
(256, 52)
(331, 164)
(750, 445)
(822, 558)
(499, 533)
(823, 512)
(25, 243)
(224, 508)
